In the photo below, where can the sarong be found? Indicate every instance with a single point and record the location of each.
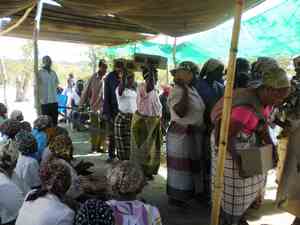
(122, 135)
(239, 193)
(98, 139)
(288, 194)
(185, 165)
(146, 142)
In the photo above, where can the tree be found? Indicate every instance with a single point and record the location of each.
(25, 77)
(95, 53)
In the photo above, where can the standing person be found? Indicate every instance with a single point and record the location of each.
(250, 112)
(126, 97)
(184, 138)
(46, 205)
(166, 116)
(48, 84)
(242, 73)
(146, 137)
(94, 94)
(110, 107)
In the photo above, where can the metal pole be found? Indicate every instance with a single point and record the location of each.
(219, 179)
(37, 22)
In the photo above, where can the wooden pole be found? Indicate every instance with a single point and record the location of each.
(174, 52)
(219, 179)
(36, 31)
(4, 78)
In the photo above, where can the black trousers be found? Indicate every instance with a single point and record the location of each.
(51, 110)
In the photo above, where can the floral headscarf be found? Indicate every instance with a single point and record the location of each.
(17, 115)
(42, 122)
(126, 178)
(62, 147)
(8, 159)
(10, 128)
(26, 143)
(26, 126)
(210, 66)
(55, 176)
(94, 212)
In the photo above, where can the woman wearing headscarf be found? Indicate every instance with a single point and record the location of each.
(146, 134)
(126, 181)
(45, 206)
(184, 137)
(40, 126)
(126, 97)
(11, 193)
(94, 212)
(248, 129)
(27, 166)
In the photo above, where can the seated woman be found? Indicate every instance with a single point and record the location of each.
(17, 115)
(40, 126)
(27, 166)
(94, 212)
(11, 194)
(126, 181)
(45, 206)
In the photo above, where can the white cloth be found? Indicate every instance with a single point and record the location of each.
(196, 106)
(127, 101)
(11, 199)
(47, 210)
(48, 83)
(28, 170)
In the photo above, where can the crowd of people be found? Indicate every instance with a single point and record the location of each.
(41, 183)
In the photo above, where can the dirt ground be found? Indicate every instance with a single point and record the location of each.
(198, 213)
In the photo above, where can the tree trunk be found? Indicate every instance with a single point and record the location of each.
(22, 87)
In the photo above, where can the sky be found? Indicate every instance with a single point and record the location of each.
(62, 51)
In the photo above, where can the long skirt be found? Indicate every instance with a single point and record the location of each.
(239, 193)
(146, 140)
(98, 138)
(122, 135)
(185, 169)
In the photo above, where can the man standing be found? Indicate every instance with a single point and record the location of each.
(94, 94)
(48, 84)
(110, 107)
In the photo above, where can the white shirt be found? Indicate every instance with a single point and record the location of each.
(48, 83)
(11, 199)
(28, 170)
(196, 109)
(47, 210)
(127, 101)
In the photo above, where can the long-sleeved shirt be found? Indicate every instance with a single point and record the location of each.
(110, 107)
(94, 93)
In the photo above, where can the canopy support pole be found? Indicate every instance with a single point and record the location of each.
(174, 52)
(37, 22)
(219, 179)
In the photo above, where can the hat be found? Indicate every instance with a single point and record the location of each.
(126, 178)
(25, 142)
(296, 61)
(186, 66)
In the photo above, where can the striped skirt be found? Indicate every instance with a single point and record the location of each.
(122, 131)
(185, 170)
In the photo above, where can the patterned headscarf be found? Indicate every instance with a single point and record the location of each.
(126, 178)
(8, 159)
(94, 212)
(3, 109)
(42, 122)
(210, 66)
(10, 128)
(55, 176)
(26, 143)
(52, 132)
(17, 115)
(187, 66)
(26, 126)
(62, 147)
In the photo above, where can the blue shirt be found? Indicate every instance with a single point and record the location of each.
(110, 106)
(42, 140)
